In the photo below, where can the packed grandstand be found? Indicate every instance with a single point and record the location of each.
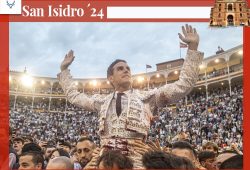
(211, 112)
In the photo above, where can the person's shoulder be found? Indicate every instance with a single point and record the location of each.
(102, 97)
(145, 94)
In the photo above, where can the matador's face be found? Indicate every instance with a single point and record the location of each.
(121, 75)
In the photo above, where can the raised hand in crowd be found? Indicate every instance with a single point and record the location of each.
(68, 59)
(190, 37)
(155, 145)
(140, 147)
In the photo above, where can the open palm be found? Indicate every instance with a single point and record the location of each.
(68, 59)
(190, 36)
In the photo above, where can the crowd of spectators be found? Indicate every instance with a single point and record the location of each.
(217, 119)
(198, 121)
(220, 72)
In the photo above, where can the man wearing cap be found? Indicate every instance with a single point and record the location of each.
(125, 115)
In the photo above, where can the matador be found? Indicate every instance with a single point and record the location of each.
(126, 113)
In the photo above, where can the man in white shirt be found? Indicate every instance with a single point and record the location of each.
(125, 114)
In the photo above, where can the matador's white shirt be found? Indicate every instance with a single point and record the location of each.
(137, 106)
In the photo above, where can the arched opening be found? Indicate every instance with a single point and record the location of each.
(11, 101)
(57, 89)
(140, 82)
(216, 68)
(230, 20)
(157, 81)
(106, 87)
(236, 61)
(218, 88)
(13, 84)
(41, 103)
(43, 86)
(173, 76)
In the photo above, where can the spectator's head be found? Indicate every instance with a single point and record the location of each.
(235, 162)
(43, 145)
(207, 159)
(84, 148)
(114, 160)
(48, 151)
(183, 136)
(31, 147)
(184, 149)
(59, 152)
(60, 144)
(162, 160)
(167, 147)
(119, 74)
(224, 156)
(210, 146)
(66, 146)
(18, 144)
(31, 160)
(61, 162)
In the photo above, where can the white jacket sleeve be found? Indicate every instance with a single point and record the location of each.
(90, 103)
(173, 92)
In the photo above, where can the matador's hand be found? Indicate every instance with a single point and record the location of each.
(140, 147)
(190, 37)
(68, 59)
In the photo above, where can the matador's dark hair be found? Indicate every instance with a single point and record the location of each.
(110, 68)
